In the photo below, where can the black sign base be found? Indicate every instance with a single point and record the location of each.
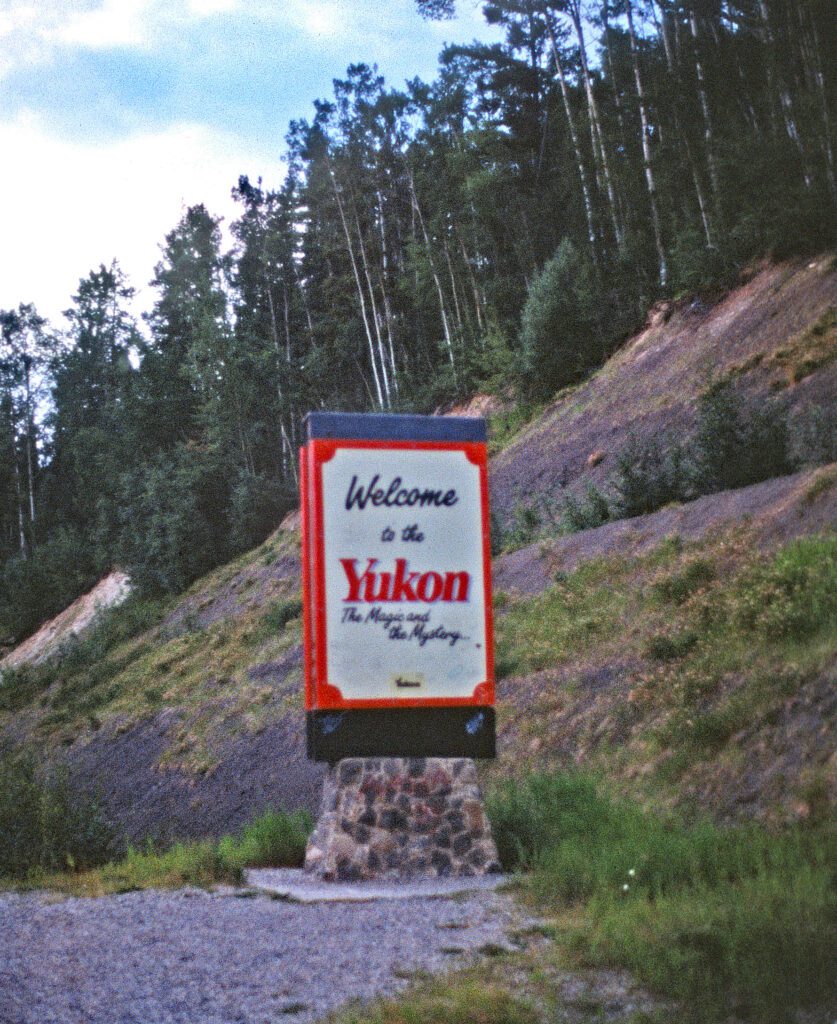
(401, 732)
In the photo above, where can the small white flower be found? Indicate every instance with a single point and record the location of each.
(631, 872)
(625, 887)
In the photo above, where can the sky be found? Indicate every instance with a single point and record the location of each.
(115, 115)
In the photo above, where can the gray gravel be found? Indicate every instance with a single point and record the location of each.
(192, 957)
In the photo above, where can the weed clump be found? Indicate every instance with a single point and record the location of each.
(585, 514)
(792, 597)
(45, 823)
(724, 919)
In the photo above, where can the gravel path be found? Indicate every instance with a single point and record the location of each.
(192, 957)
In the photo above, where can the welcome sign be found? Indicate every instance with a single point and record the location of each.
(396, 574)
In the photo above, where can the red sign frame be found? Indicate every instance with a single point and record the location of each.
(320, 693)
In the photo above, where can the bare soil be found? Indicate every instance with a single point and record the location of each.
(777, 511)
(651, 385)
(74, 621)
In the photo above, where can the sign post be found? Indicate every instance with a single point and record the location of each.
(396, 587)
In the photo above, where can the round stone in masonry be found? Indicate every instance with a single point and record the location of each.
(401, 817)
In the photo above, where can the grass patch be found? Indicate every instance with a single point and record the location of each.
(726, 920)
(454, 1001)
(276, 839)
(583, 608)
(86, 663)
(504, 426)
(792, 597)
(814, 348)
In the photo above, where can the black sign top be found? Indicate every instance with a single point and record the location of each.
(389, 427)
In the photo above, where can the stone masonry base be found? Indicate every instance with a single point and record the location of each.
(401, 818)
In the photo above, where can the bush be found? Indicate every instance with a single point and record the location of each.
(648, 475)
(587, 514)
(276, 839)
(280, 614)
(679, 586)
(815, 435)
(735, 443)
(720, 918)
(46, 824)
(558, 332)
(738, 443)
(530, 817)
(792, 597)
(524, 528)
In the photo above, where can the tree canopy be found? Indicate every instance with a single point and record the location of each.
(510, 220)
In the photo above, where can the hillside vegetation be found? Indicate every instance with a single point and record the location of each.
(191, 705)
(774, 340)
(654, 672)
(505, 225)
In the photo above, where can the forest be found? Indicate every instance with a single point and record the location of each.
(501, 228)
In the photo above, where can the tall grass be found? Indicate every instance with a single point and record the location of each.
(447, 1002)
(275, 839)
(721, 918)
(45, 823)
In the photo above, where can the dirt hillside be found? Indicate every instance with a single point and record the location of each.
(73, 622)
(765, 334)
(187, 715)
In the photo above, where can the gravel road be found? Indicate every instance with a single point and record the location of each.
(193, 957)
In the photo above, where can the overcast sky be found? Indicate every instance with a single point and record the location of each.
(116, 114)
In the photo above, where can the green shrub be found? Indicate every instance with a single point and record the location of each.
(670, 646)
(679, 586)
(280, 614)
(794, 596)
(530, 817)
(738, 443)
(46, 824)
(586, 514)
(814, 433)
(649, 474)
(523, 530)
(558, 328)
(276, 839)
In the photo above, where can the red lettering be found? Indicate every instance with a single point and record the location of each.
(402, 589)
(432, 580)
(370, 586)
(383, 587)
(463, 579)
(353, 578)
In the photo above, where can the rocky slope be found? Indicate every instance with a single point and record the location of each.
(776, 335)
(72, 623)
(187, 717)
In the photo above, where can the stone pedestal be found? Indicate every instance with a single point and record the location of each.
(401, 818)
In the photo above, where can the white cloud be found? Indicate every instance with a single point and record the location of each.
(205, 8)
(67, 207)
(320, 18)
(114, 23)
